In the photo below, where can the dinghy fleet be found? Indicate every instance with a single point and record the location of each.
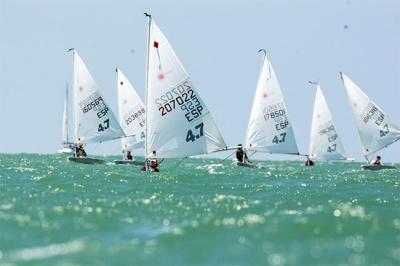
(174, 121)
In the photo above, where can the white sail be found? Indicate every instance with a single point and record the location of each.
(269, 129)
(131, 114)
(65, 119)
(325, 143)
(93, 119)
(179, 123)
(375, 128)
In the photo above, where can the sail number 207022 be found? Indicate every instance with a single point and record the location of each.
(181, 97)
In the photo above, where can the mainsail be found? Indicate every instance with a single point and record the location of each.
(178, 122)
(269, 129)
(93, 119)
(375, 128)
(325, 143)
(131, 114)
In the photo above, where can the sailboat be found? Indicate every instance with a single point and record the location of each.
(66, 145)
(178, 122)
(269, 129)
(131, 115)
(325, 143)
(94, 121)
(375, 128)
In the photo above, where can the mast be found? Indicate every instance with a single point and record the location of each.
(119, 111)
(73, 94)
(65, 124)
(311, 131)
(146, 152)
(264, 57)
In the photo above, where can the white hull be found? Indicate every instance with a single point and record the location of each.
(66, 150)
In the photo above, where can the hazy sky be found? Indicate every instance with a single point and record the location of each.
(217, 42)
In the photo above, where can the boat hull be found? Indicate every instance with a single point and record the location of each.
(250, 165)
(130, 162)
(66, 151)
(377, 167)
(86, 160)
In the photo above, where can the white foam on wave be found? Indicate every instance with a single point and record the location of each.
(52, 250)
(211, 168)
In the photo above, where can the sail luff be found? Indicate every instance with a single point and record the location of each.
(146, 142)
(342, 77)
(313, 124)
(74, 100)
(252, 113)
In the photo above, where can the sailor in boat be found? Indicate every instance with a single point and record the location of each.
(80, 151)
(153, 163)
(129, 156)
(377, 161)
(241, 155)
(309, 162)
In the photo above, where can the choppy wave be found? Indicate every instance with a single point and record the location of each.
(196, 212)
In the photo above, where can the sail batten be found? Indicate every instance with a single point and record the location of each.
(375, 128)
(180, 124)
(269, 129)
(325, 142)
(94, 121)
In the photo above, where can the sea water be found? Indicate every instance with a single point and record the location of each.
(196, 212)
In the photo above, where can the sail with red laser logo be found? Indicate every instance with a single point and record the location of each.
(178, 122)
(269, 129)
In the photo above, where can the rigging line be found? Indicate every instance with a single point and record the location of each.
(366, 158)
(254, 152)
(179, 163)
(221, 161)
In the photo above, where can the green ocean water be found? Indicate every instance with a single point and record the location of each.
(53, 212)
